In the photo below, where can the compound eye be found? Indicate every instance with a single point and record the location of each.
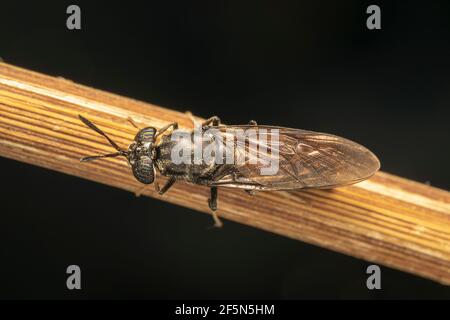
(145, 135)
(143, 170)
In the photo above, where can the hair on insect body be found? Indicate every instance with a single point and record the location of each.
(304, 159)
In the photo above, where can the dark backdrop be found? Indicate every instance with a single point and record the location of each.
(305, 64)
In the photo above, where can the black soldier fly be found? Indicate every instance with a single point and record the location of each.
(304, 159)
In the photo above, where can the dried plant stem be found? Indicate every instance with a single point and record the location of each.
(387, 219)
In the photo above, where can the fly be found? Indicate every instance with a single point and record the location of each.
(304, 159)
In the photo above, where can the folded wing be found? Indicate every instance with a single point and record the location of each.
(298, 158)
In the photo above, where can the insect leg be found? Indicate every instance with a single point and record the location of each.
(214, 121)
(192, 118)
(167, 186)
(133, 123)
(139, 192)
(212, 203)
(174, 125)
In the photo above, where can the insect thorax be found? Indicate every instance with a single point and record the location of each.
(190, 170)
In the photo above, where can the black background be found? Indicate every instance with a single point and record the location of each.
(304, 64)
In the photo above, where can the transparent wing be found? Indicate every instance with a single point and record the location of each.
(276, 158)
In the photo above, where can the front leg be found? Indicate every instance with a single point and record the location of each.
(166, 187)
(139, 192)
(133, 123)
(212, 203)
(174, 126)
